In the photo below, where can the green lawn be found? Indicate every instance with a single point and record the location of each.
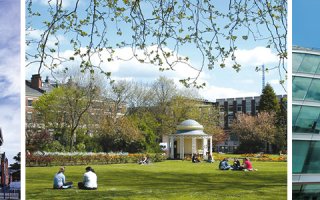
(164, 180)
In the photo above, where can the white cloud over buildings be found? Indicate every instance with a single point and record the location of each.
(10, 121)
(221, 83)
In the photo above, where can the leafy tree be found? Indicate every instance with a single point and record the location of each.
(38, 140)
(64, 108)
(119, 135)
(17, 164)
(254, 131)
(148, 125)
(156, 32)
(209, 118)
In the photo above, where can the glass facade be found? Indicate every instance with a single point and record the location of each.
(305, 123)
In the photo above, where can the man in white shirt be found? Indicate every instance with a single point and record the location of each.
(89, 180)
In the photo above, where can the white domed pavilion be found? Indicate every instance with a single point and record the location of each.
(188, 140)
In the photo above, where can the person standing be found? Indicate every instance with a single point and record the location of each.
(89, 180)
(59, 180)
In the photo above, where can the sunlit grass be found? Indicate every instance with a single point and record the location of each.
(164, 180)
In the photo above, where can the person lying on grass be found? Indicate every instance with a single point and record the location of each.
(89, 180)
(59, 180)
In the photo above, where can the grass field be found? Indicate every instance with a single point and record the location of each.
(164, 180)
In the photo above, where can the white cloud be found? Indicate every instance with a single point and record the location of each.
(65, 3)
(10, 70)
(221, 83)
(213, 92)
(10, 125)
(254, 57)
(123, 67)
(10, 77)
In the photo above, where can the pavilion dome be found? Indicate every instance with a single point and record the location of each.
(190, 127)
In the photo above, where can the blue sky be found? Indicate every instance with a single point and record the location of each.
(305, 23)
(10, 111)
(221, 83)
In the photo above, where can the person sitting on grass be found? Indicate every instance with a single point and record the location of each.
(195, 159)
(59, 180)
(144, 160)
(89, 180)
(224, 165)
(236, 165)
(247, 165)
(210, 159)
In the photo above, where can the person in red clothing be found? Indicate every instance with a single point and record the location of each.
(247, 165)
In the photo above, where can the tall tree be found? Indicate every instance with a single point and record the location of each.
(268, 100)
(156, 32)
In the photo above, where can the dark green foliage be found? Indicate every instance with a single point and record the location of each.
(268, 100)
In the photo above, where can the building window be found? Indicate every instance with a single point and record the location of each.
(222, 108)
(239, 108)
(295, 113)
(296, 61)
(230, 119)
(300, 87)
(248, 106)
(305, 156)
(314, 91)
(230, 108)
(306, 119)
(29, 102)
(309, 64)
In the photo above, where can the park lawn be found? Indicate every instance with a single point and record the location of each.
(171, 179)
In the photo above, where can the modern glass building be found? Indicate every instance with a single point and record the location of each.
(306, 123)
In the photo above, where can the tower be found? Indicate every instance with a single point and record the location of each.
(263, 77)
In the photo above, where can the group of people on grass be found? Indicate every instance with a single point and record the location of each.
(196, 158)
(89, 180)
(246, 165)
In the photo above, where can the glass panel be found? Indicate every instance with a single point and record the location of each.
(296, 61)
(300, 87)
(306, 119)
(312, 163)
(311, 188)
(295, 112)
(309, 64)
(299, 155)
(314, 91)
(248, 106)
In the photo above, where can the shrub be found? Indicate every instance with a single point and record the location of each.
(77, 158)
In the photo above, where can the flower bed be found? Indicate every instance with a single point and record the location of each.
(64, 159)
(253, 157)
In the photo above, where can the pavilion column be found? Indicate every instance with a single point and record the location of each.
(211, 148)
(205, 147)
(194, 146)
(171, 147)
(182, 148)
